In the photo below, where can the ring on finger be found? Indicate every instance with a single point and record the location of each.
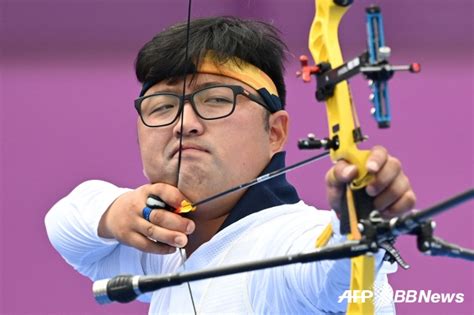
(146, 213)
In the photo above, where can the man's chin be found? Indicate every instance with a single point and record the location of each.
(193, 188)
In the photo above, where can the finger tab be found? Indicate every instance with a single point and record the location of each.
(155, 202)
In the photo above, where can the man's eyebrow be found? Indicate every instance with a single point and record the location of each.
(174, 90)
(208, 84)
(178, 89)
(165, 90)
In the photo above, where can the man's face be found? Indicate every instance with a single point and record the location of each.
(216, 154)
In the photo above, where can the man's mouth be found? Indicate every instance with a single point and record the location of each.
(188, 148)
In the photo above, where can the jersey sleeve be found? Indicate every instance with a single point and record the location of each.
(72, 223)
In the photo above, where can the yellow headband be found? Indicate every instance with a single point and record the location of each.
(239, 70)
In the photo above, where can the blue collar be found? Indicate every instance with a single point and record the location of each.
(274, 192)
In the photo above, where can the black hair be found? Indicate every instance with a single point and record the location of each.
(255, 42)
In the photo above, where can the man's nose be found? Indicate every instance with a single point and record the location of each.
(192, 124)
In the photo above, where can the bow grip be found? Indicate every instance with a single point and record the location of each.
(356, 203)
(363, 205)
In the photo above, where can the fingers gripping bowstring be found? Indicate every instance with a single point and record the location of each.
(182, 252)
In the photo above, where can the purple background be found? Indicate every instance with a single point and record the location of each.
(66, 91)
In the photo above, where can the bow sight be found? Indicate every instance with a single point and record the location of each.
(373, 63)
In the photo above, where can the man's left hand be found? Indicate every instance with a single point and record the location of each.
(390, 186)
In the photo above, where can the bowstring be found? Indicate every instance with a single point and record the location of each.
(182, 251)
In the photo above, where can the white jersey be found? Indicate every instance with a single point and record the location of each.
(311, 288)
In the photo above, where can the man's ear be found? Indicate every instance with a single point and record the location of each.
(278, 130)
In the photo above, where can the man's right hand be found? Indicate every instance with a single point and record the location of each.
(164, 232)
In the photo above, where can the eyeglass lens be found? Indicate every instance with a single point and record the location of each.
(210, 103)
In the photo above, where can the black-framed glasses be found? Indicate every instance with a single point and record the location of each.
(213, 102)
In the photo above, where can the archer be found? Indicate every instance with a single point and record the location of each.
(211, 115)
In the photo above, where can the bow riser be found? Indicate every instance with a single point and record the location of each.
(342, 119)
(324, 47)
